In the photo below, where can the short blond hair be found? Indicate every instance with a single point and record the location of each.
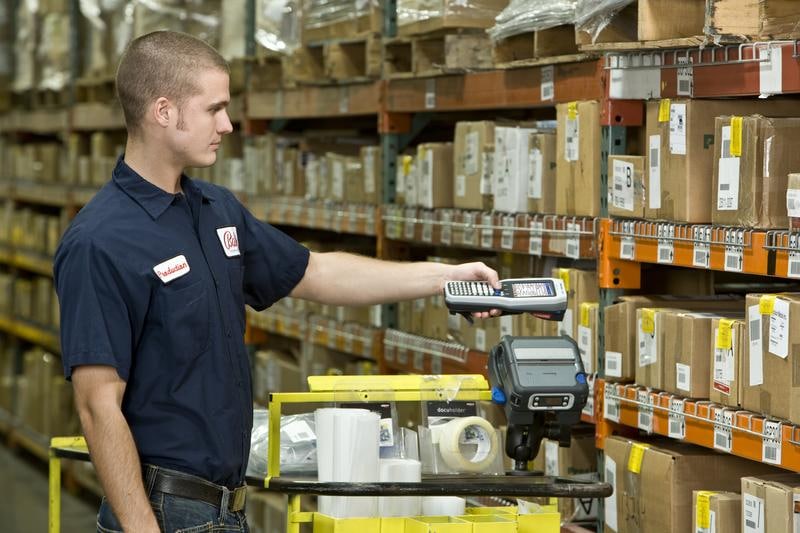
(161, 63)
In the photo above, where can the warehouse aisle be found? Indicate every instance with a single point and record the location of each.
(23, 506)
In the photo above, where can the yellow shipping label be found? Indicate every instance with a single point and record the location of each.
(636, 457)
(766, 304)
(663, 110)
(563, 273)
(736, 136)
(407, 160)
(725, 334)
(649, 321)
(586, 309)
(572, 110)
(704, 509)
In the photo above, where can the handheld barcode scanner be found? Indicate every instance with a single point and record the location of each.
(540, 381)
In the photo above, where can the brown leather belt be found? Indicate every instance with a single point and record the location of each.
(195, 488)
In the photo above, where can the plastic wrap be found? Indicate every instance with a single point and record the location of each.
(319, 13)
(523, 16)
(472, 13)
(199, 18)
(298, 444)
(592, 16)
(278, 25)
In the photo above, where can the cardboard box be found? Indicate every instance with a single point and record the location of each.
(578, 159)
(578, 461)
(651, 326)
(274, 371)
(657, 20)
(473, 161)
(588, 335)
(680, 160)
(372, 167)
(687, 338)
(768, 502)
(751, 167)
(722, 509)
(435, 175)
(776, 352)
(621, 327)
(751, 19)
(346, 178)
(793, 203)
(626, 193)
(728, 351)
(482, 336)
(653, 482)
(405, 181)
(511, 168)
(542, 174)
(581, 287)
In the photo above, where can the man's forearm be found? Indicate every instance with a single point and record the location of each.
(116, 460)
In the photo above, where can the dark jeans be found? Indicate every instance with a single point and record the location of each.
(178, 515)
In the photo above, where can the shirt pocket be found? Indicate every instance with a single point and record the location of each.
(186, 315)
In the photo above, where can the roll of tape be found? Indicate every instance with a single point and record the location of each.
(464, 431)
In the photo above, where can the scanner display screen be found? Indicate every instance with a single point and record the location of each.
(532, 290)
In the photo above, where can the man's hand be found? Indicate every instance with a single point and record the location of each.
(475, 272)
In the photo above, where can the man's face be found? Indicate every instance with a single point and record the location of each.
(203, 120)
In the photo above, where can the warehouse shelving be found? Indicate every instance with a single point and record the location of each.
(30, 332)
(25, 260)
(358, 219)
(316, 102)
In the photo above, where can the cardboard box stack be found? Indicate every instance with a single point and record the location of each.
(473, 163)
(578, 159)
(653, 482)
(542, 185)
(722, 509)
(511, 168)
(768, 503)
(752, 162)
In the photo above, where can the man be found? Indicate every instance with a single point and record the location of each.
(153, 276)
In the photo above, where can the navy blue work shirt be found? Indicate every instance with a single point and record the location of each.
(154, 284)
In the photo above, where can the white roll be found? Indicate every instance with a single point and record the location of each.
(460, 432)
(443, 506)
(400, 471)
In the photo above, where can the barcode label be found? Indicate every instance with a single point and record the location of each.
(446, 235)
(726, 148)
(755, 330)
(684, 377)
(645, 411)
(677, 420)
(573, 241)
(614, 364)
(535, 243)
(610, 403)
(430, 93)
(734, 259)
(469, 235)
(618, 187)
(701, 257)
(771, 448)
(685, 77)
(654, 157)
(724, 186)
(507, 239)
(723, 435)
(344, 101)
(666, 252)
(627, 248)
(571, 146)
(548, 82)
(427, 230)
(793, 270)
(753, 513)
(684, 87)
(487, 234)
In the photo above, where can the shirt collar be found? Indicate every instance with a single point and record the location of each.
(152, 199)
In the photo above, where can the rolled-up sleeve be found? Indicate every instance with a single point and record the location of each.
(100, 320)
(274, 263)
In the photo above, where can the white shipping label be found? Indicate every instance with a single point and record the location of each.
(551, 458)
(645, 411)
(770, 72)
(430, 93)
(469, 237)
(536, 169)
(771, 443)
(573, 241)
(701, 256)
(611, 403)
(796, 514)
(613, 364)
(487, 233)
(426, 196)
(507, 234)
(647, 346)
(723, 434)
(565, 326)
(622, 193)
(506, 325)
(471, 153)
(298, 431)
(666, 252)
(779, 329)
(685, 77)
(487, 175)
(585, 347)
(734, 258)
(446, 235)
(677, 129)
(571, 144)
(400, 180)
(611, 501)
(677, 419)
(369, 172)
(728, 184)
(654, 168)
(535, 243)
(756, 363)
(548, 83)
(627, 248)
(793, 202)
(461, 185)
(752, 514)
(793, 265)
(588, 409)
(683, 377)
(712, 522)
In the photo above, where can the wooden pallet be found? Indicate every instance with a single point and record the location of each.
(95, 90)
(266, 72)
(667, 44)
(435, 54)
(535, 45)
(364, 25)
(335, 61)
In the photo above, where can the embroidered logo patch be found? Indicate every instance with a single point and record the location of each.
(172, 269)
(229, 240)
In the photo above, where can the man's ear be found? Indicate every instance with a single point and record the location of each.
(161, 110)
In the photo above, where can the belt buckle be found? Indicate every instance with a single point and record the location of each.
(238, 497)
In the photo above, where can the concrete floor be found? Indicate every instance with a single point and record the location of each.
(23, 504)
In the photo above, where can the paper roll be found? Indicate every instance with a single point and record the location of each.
(443, 506)
(400, 471)
(458, 434)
